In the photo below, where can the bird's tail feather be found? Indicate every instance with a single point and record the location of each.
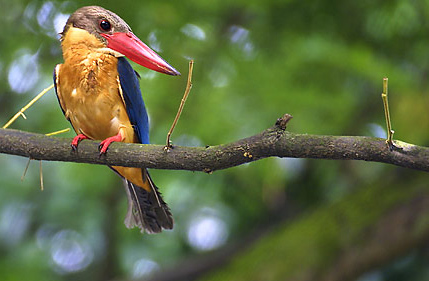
(146, 209)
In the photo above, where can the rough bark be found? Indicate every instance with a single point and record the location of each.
(274, 141)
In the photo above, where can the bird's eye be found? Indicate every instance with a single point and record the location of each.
(105, 25)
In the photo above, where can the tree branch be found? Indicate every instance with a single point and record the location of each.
(274, 141)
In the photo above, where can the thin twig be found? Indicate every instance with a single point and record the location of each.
(182, 104)
(58, 132)
(41, 175)
(29, 158)
(21, 112)
(384, 97)
(26, 169)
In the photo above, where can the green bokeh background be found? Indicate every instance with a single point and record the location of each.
(321, 61)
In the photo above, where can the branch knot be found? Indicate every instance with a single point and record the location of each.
(282, 122)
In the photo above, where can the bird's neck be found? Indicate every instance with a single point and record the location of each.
(86, 60)
(80, 46)
(77, 44)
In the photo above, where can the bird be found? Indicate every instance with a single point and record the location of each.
(99, 94)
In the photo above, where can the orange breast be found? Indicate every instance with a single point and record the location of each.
(89, 89)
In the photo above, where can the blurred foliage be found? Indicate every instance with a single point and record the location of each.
(323, 62)
(331, 237)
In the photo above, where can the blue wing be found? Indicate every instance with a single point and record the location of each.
(134, 103)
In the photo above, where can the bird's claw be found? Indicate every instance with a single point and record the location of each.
(103, 148)
(76, 140)
(104, 145)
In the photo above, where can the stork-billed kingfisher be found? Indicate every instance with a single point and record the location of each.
(99, 94)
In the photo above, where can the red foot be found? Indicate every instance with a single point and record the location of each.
(104, 145)
(77, 140)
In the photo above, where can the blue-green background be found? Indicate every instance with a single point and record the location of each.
(321, 61)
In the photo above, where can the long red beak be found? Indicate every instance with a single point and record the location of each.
(133, 48)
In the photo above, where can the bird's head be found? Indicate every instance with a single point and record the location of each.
(115, 35)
